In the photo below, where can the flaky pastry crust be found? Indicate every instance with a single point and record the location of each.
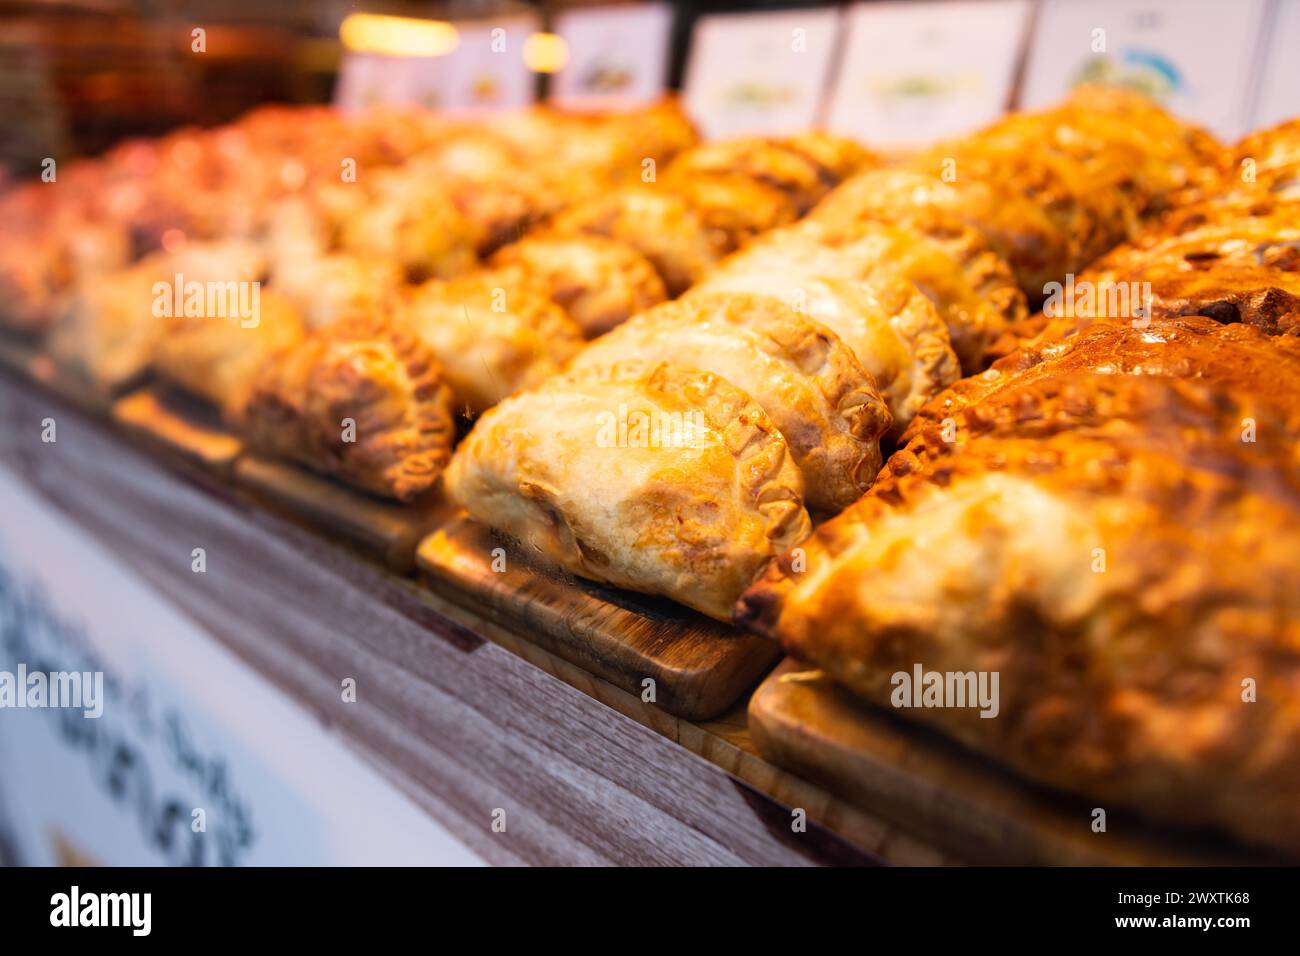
(383, 380)
(560, 470)
(808, 381)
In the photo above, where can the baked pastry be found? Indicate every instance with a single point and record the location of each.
(734, 207)
(649, 476)
(892, 329)
(1273, 156)
(1115, 531)
(838, 157)
(807, 380)
(409, 220)
(217, 357)
(660, 225)
(335, 286)
(362, 401)
(874, 249)
(599, 282)
(764, 161)
(111, 326)
(493, 331)
(1242, 268)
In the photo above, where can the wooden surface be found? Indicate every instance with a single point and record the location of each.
(932, 787)
(459, 721)
(386, 530)
(163, 417)
(699, 667)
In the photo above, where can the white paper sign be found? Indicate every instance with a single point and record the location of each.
(759, 72)
(618, 56)
(485, 72)
(1195, 56)
(369, 79)
(913, 73)
(185, 726)
(1279, 92)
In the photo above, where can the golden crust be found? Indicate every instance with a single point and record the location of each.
(891, 327)
(660, 225)
(812, 387)
(1120, 679)
(408, 219)
(735, 207)
(111, 326)
(336, 286)
(873, 249)
(769, 162)
(218, 357)
(494, 332)
(838, 157)
(1270, 159)
(557, 468)
(384, 380)
(599, 282)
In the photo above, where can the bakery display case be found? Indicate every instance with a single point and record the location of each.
(649, 434)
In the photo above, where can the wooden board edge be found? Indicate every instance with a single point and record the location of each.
(954, 804)
(388, 531)
(154, 415)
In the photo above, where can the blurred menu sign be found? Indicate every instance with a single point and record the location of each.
(371, 79)
(759, 72)
(916, 72)
(618, 56)
(483, 71)
(1194, 56)
(1279, 95)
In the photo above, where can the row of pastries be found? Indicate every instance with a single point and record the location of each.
(785, 384)
(1109, 517)
(835, 329)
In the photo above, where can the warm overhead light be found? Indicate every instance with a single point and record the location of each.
(546, 53)
(397, 36)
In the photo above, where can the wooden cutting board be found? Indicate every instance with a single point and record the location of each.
(167, 418)
(941, 792)
(699, 667)
(386, 530)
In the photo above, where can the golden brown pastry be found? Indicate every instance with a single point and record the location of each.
(838, 157)
(335, 286)
(494, 332)
(653, 477)
(808, 381)
(657, 223)
(1231, 268)
(361, 401)
(763, 161)
(1112, 525)
(1270, 158)
(892, 329)
(874, 249)
(110, 328)
(734, 207)
(409, 220)
(218, 357)
(599, 282)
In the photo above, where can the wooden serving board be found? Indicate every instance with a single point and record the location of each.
(163, 416)
(384, 529)
(943, 793)
(700, 667)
